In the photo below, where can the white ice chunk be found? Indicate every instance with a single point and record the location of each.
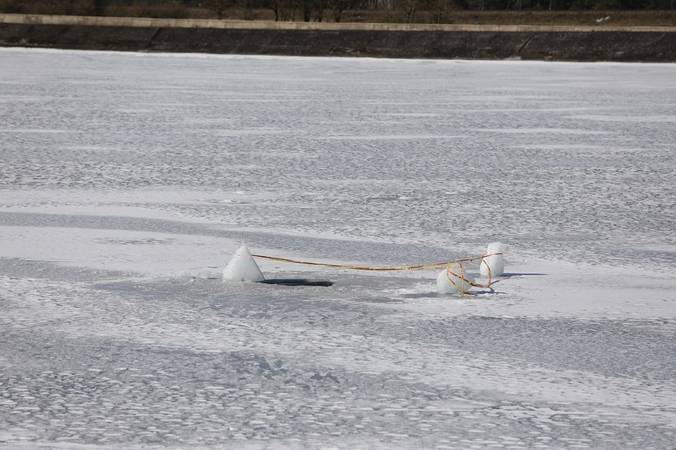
(242, 267)
(184, 275)
(450, 275)
(207, 274)
(496, 261)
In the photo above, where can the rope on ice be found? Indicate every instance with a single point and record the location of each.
(454, 270)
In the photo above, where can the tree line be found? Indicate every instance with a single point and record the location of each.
(312, 10)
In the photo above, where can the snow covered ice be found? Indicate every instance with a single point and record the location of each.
(127, 182)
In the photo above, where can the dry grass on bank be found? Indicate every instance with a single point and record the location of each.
(449, 16)
(663, 18)
(617, 18)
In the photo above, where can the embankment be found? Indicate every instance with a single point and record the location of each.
(527, 42)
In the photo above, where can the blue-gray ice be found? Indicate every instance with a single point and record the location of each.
(349, 160)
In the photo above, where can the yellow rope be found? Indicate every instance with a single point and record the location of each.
(435, 266)
(461, 288)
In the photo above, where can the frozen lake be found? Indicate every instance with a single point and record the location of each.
(127, 181)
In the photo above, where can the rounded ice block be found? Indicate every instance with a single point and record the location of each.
(450, 280)
(495, 261)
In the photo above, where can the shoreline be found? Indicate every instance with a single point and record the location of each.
(379, 40)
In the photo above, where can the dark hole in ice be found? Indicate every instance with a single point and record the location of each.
(298, 282)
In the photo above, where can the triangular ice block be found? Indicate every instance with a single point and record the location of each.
(242, 267)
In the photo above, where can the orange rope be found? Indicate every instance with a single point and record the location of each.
(460, 288)
(435, 266)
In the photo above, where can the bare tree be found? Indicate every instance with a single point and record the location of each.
(438, 7)
(247, 7)
(217, 6)
(337, 8)
(320, 6)
(410, 7)
(287, 9)
(274, 5)
(305, 7)
(99, 7)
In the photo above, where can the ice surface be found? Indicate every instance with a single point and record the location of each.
(127, 180)
(242, 267)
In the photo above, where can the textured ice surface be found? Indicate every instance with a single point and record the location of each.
(128, 180)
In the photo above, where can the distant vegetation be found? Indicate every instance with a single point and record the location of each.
(625, 12)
